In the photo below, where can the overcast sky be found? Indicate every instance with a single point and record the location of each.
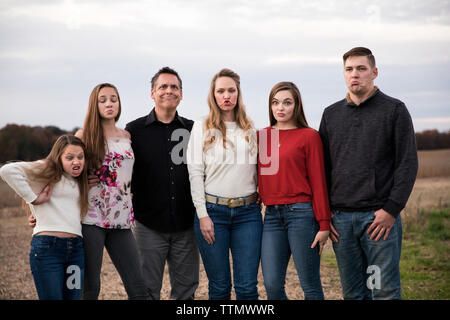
(53, 53)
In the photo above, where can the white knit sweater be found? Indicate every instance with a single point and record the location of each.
(61, 213)
(229, 173)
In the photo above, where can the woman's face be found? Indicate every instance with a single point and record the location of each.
(226, 93)
(108, 103)
(283, 105)
(72, 160)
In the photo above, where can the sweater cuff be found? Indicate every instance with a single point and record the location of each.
(202, 212)
(392, 207)
(324, 225)
(30, 198)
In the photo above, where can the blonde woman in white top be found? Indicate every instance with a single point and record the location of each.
(222, 157)
(56, 191)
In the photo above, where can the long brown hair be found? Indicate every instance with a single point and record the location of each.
(92, 129)
(299, 114)
(50, 171)
(214, 120)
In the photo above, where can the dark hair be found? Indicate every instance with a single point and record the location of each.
(299, 114)
(360, 52)
(168, 71)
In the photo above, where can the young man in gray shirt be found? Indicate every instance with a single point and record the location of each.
(371, 166)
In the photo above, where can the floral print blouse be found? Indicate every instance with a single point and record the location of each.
(110, 203)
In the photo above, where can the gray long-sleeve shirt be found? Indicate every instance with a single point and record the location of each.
(370, 154)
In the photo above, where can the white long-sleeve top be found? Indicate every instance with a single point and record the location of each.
(60, 213)
(228, 173)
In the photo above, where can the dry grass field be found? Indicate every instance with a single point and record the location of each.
(432, 190)
(434, 163)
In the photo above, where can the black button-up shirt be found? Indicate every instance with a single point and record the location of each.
(160, 183)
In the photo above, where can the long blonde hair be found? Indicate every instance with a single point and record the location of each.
(92, 129)
(214, 120)
(50, 171)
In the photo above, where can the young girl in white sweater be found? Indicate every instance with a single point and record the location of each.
(55, 190)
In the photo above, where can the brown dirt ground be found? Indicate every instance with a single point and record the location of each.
(16, 281)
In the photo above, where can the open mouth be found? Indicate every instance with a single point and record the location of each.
(76, 169)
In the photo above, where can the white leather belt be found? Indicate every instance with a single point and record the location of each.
(232, 202)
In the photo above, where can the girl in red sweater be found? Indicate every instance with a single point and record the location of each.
(292, 186)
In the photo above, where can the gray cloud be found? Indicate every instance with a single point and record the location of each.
(51, 57)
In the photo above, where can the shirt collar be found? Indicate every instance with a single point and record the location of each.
(151, 118)
(351, 103)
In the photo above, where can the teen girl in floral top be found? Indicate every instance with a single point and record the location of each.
(110, 200)
(110, 215)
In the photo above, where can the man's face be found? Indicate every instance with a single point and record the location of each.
(167, 92)
(359, 75)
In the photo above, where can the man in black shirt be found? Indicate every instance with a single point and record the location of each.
(162, 201)
(371, 165)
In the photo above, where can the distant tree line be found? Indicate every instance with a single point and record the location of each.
(433, 139)
(20, 142)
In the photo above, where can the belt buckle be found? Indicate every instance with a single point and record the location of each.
(235, 202)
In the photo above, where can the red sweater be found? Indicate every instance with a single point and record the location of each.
(300, 176)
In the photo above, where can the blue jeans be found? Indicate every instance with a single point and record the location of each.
(238, 229)
(290, 228)
(368, 269)
(57, 265)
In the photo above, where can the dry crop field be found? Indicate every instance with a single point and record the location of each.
(432, 190)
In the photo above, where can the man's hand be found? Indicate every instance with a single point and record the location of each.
(207, 229)
(381, 225)
(333, 233)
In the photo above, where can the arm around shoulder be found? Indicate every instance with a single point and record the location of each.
(126, 134)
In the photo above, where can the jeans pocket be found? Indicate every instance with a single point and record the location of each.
(253, 207)
(38, 251)
(303, 207)
(210, 206)
(336, 215)
(42, 242)
(78, 244)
